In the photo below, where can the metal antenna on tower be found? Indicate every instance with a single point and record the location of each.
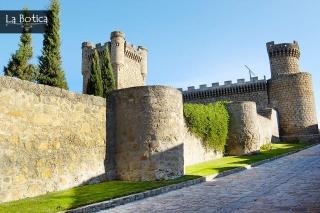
(250, 72)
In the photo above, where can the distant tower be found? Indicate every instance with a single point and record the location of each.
(86, 64)
(284, 58)
(291, 91)
(117, 54)
(129, 63)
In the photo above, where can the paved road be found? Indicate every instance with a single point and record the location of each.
(289, 184)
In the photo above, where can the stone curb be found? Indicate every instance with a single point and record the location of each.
(154, 192)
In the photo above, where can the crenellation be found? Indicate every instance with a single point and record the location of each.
(203, 86)
(227, 83)
(117, 34)
(254, 79)
(88, 45)
(191, 88)
(134, 53)
(230, 84)
(286, 49)
(284, 58)
(142, 48)
(98, 46)
(241, 81)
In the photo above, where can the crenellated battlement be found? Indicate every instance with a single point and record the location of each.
(284, 58)
(134, 53)
(89, 52)
(89, 45)
(284, 49)
(228, 88)
(117, 34)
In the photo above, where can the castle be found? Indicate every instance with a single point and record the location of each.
(53, 139)
(129, 63)
(288, 91)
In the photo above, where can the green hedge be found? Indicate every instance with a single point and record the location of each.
(209, 122)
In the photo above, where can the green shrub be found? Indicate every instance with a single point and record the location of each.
(209, 122)
(266, 147)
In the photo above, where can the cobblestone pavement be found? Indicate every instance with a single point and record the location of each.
(289, 184)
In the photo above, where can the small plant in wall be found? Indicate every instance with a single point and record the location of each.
(209, 122)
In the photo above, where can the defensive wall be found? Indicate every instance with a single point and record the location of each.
(52, 139)
(288, 91)
(248, 131)
(254, 90)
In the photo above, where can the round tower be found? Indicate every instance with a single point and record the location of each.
(87, 48)
(291, 91)
(117, 54)
(143, 62)
(243, 133)
(284, 58)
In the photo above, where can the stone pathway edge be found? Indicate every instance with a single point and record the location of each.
(154, 192)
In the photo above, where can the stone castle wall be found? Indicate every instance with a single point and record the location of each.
(50, 139)
(194, 151)
(268, 122)
(151, 140)
(255, 90)
(293, 97)
(288, 91)
(243, 133)
(147, 138)
(248, 130)
(131, 74)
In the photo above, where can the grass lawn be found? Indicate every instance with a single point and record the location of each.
(80, 196)
(231, 162)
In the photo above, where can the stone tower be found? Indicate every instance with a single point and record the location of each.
(128, 62)
(291, 91)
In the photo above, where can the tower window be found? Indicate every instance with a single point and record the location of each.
(117, 44)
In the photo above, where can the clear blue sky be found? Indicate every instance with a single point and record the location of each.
(189, 42)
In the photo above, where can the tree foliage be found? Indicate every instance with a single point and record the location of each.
(209, 122)
(18, 65)
(108, 81)
(50, 70)
(94, 86)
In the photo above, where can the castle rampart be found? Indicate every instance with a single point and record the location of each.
(288, 91)
(50, 139)
(254, 90)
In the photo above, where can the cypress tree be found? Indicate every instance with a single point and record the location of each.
(108, 81)
(94, 86)
(18, 65)
(50, 70)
